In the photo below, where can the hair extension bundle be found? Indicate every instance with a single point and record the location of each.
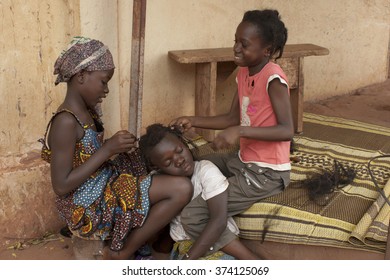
(321, 186)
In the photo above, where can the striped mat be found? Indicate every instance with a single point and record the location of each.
(355, 216)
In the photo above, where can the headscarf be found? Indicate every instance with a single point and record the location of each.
(82, 54)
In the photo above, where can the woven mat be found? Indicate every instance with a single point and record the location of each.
(354, 216)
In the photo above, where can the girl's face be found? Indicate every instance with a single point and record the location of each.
(95, 86)
(249, 49)
(172, 157)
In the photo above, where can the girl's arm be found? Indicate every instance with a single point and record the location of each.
(216, 225)
(213, 122)
(64, 133)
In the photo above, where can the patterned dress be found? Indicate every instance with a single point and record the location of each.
(114, 200)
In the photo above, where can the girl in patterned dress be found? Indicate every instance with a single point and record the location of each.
(98, 195)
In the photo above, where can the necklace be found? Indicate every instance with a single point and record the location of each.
(86, 126)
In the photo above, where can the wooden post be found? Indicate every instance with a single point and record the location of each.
(296, 97)
(137, 66)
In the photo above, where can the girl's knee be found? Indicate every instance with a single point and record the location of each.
(183, 190)
(177, 190)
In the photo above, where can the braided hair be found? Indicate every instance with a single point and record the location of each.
(154, 134)
(270, 28)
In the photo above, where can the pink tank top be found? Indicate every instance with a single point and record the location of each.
(256, 111)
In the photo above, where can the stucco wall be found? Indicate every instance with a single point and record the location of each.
(32, 33)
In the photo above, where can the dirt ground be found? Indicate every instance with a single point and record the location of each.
(370, 104)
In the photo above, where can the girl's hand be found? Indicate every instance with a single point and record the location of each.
(226, 138)
(121, 142)
(183, 122)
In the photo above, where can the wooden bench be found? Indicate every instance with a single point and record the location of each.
(214, 65)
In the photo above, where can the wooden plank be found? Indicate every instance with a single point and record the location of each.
(226, 54)
(202, 55)
(302, 50)
(137, 66)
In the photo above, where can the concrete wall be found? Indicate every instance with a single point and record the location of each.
(34, 32)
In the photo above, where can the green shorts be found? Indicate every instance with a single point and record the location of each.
(248, 184)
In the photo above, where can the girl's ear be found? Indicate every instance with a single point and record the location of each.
(267, 51)
(80, 76)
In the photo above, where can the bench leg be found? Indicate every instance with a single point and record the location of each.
(205, 94)
(296, 98)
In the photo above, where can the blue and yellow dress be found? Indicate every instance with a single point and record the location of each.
(114, 200)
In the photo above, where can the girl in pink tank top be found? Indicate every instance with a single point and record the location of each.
(260, 119)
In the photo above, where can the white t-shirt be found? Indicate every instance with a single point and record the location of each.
(209, 182)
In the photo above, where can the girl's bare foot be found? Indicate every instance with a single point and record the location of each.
(109, 254)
